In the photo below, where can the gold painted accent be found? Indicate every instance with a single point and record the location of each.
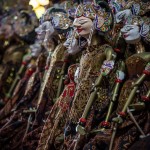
(115, 93)
(133, 92)
(139, 48)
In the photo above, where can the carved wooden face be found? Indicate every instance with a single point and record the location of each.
(83, 26)
(44, 34)
(131, 33)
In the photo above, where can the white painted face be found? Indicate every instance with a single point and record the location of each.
(131, 33)
(83, 26)
(45, 30)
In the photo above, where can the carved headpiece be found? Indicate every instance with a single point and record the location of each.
(138, 7)
(86, 11)
(96, 12)
(60, 19)
(70, 8)
(117, 5)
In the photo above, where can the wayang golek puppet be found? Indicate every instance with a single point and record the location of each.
(89, 19)
(131, 93)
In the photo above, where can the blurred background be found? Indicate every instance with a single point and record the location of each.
(38, 6)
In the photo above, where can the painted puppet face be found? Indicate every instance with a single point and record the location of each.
(49, 31)
(131, 33)
(44, 33)
(45, 29)
(83, 26)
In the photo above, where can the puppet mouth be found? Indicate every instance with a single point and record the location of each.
(79, 30)
(125, 35)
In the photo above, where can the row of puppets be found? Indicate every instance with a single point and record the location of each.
(79, 79)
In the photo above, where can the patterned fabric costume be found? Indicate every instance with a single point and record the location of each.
(54, 126)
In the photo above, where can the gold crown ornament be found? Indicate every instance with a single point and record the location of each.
(97, 12)
(60, 19)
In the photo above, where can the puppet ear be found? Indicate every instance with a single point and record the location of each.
(104, 19)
